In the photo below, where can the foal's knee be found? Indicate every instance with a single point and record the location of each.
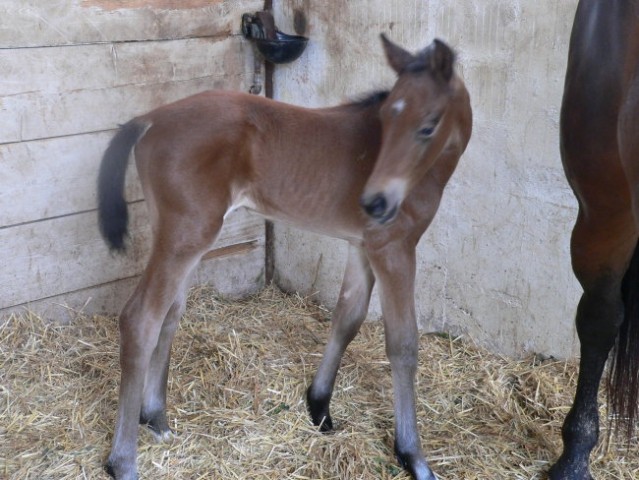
(403, 354)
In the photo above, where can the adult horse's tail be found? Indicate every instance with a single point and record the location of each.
(623, 378)
(113, 215)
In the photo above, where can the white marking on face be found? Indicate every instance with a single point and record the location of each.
(399, 106)
(454, 141)
(396, 189)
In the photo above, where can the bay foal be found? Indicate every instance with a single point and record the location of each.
(201, 157)
(600, 152)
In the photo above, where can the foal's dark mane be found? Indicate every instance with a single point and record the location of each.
(369, 99)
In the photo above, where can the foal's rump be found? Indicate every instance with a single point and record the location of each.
(178, 140)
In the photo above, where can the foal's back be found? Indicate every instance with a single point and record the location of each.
(306, 166)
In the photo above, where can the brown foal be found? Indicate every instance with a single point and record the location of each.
(371, 172)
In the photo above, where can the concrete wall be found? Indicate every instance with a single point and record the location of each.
(494, 265)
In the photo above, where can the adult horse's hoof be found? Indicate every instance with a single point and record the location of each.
(318, 409)
(415, 464)
(567, 470)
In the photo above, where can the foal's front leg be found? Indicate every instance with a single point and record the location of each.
(394, 267)
(349, 314)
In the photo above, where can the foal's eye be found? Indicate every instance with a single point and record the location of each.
(426, 132)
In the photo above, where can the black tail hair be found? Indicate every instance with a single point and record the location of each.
(623, 378)
(113, 215)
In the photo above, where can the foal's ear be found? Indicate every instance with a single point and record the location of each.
(441, 59)
(397, 57)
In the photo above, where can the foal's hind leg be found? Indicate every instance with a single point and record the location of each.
(394, 268)
(142, 333)
(601, 251)
(349, 314)
(153, 410)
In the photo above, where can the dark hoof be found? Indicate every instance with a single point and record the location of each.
(566, 470)
(415, 464)
(109, 470)
(318, 409)
(158, 425)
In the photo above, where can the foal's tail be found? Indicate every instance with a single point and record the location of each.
(113, 215)
(623, 378)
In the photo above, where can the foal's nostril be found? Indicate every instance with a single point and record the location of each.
(376, 207)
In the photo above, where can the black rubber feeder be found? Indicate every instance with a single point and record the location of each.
(275, 46)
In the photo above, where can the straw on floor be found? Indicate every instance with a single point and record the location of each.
(236, 401)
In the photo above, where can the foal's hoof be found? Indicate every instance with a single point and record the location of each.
(415, 464)
(162, 436)
(159, 427)
(109, 470)
(318, 409)
(116, 472)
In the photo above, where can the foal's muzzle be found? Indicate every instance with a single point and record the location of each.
(377, 207)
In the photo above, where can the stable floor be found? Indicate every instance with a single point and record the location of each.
(236, 401)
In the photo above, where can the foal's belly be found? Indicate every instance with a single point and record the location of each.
(323, 218)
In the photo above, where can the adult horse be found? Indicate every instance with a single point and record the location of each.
(201, 157)
(600, 152)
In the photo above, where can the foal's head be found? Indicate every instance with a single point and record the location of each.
(414, 123)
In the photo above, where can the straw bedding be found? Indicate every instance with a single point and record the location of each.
(236, 389)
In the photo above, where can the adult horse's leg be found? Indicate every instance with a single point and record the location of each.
(394, 268)
(145, 336)
(349, 314)
(601, 250)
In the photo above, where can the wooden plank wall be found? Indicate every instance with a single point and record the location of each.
(70, 71)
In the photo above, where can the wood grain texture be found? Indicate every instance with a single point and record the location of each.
(48, 258)
(49, 178)
(36, 23)
(60, 91)
(157, 4)
(232, 274)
